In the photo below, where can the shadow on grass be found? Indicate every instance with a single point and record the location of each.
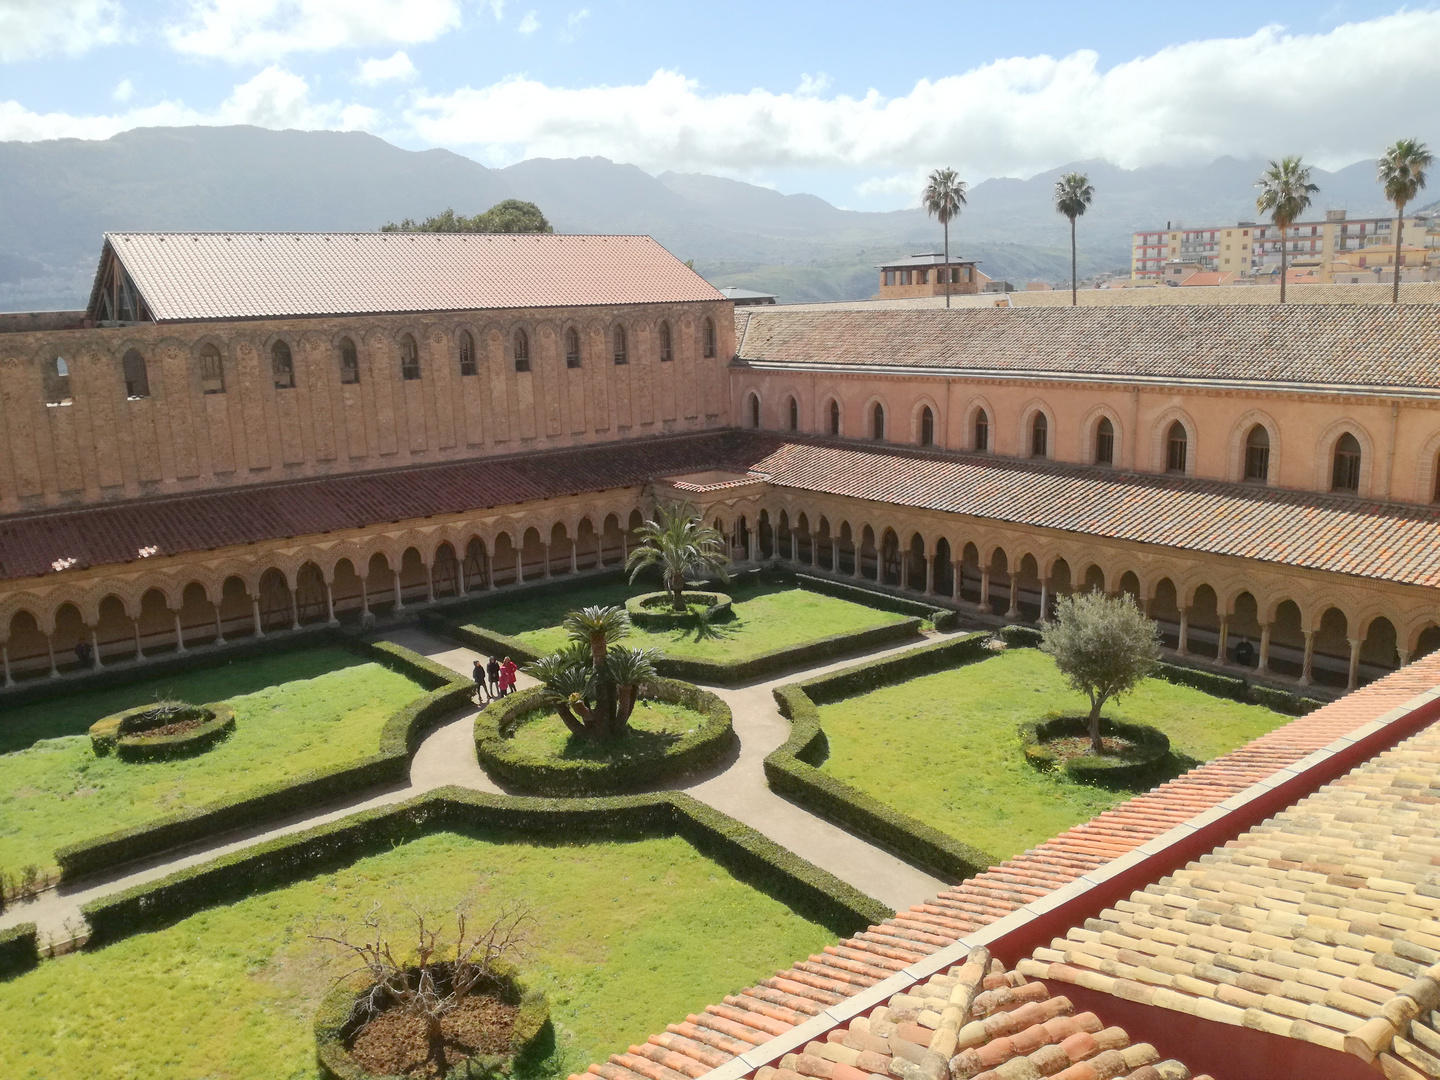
(636, 745)
(1166, 769)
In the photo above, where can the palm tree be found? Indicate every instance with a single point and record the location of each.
(1072, 198)
(1402, 171)
(1285, 191)
(943, 196)
(677, 541)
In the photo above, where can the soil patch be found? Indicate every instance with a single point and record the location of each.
(1078, 746)
(394, 1044)
(170, 729)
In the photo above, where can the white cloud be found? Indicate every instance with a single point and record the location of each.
(529, 24)
(573, 22)
(263, 30)
(274, 98)
(124, 91)
(1270, 93)
(497, 8)
(374, 72)
(32, 28)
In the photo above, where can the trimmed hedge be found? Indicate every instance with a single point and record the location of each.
(644, 611)
(1237, 688)
(399, 739)
(743, 851)
(340, 1016)
(556, 776)
(129, 740)
(884, 601)
(1152, 744)
(19, 950)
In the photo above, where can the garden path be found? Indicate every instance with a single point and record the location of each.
(447, 757)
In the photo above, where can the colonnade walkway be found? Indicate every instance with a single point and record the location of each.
(447, 758)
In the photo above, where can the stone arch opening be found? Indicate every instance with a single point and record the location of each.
(803, 542)
(1379, 651)
(1164, 608)
(1130, 586)
(477, 566)
(310, 602)
(114, 630)
(197, 614)
(346, 588)
(914, 570)
(970, 574)
(1330, 663)
(237, 613)
(869, 556)
(766, 535)
(1287, 640)
(1028, 589)
(1204, 623)
(379, 583)
(1245, 631)
(890, 570)
(505, 561)
(999, 581)
(534, 555)
(445, 571)
(944, 573)
(277, 610)
(1094, 580)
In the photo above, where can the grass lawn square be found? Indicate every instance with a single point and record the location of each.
(653, 726)
(766, 618)
(294, 713)
(630, 936)
(944, 748)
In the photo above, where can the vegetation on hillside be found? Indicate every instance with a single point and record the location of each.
(510, 216)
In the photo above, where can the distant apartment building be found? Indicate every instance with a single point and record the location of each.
(1252, 249)
(928, 274)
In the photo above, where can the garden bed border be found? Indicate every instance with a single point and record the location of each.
(19, 949)
(399, 738)
(752, 857)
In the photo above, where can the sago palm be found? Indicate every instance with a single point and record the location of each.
(678, 542)
(598, 628)
(1072, 198)
(1402, 172)
(943, 196)
(1285, 191)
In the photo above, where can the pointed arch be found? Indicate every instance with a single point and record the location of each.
(1160, 441)
(1328, 449)
(1243, 455)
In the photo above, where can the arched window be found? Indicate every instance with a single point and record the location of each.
(349, 362)
(1177, 447)
(667, 352)
(409, 358)
(1039, 436)
(707, 338)
(572, 348)
(927, 427)
(1257, 455)
(212, 370)
(834, 417)
(793, 408)
(622, 355)
(877, 422)
(57, 382)
(282, 366)
(754, 411)
(982, 431)
(1346, 474)
(137, 382)
(522, 351)
(1105, 442)
(467, 354)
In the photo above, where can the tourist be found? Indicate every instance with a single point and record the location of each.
(507, 677)
(83, 652)
(478, 673)
(493, 670)
(1245, 653)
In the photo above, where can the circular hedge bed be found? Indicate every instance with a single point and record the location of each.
(164, 730)
(342, 1046)
(586, 768)
(654, 611)
(1138, 748)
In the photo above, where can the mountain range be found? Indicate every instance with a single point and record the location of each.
(58, 197)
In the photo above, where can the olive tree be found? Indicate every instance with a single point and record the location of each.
(1104, 645)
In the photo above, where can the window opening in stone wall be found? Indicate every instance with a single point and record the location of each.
(834, 417)
(137, 381)
(1257, 455)
(349, 362)
(572, 348)
(409, 358)
(212, 370)
(708, 343)
(794, 411)
(1105, 442)
(57, 382)
(467, 354)
(1039, 436)
(1346, 473)
(1177, 447)
(667, 352)
(621, 355)
(522, 351)
(877, 422)
(982, 430)
(927, 427)
(282, 366)
(754, 411)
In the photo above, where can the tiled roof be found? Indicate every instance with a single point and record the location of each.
(794, 996)
(1322, 923)
(259, 275)
(1335, 345)
(1333, 533)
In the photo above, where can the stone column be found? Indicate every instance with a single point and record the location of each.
(859, 561)
(815, 549)
(430, 583)
(1014, 610)
(399, 599)
(1354, 679)
(749, 544)
(575, 556)
(985, 588)
(95, 650)
(1404, 655)
(180, 636)
(794, 546)
(5, 661)
(219, 627)
(905, 570)
(1223, 646)
(929, 575)
(330, 618)
(1305, 671)
(139, 655)
(1262, 667)
(957, 580)
(50, 647)
(519, 567)
(254, 615)
(364, 599)
(460, 576)
(547, 562)
(1044, 596)
(295, 607)
(1182, 647)
(625, 547)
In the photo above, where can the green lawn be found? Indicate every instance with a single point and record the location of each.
(631, 936)
(944, 748)
(294, 713)
(766, 618)
(654, 725)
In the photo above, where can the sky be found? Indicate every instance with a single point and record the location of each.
(854, 102)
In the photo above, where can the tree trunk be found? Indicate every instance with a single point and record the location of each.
(436, 1041)
(1096, 746)
(1399, 232)
(677, 591)
(1073, 285)
(625, 706)
(1283, 275)
(576, 727)
(605, 706)
(946, 223)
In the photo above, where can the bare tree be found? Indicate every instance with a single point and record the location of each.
(428, 975)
